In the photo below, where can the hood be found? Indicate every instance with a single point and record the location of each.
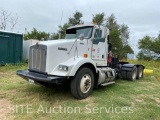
(56, 42)
(59, 51)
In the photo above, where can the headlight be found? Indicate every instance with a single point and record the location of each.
(63, 67)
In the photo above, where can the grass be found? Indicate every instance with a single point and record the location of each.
(124, 100)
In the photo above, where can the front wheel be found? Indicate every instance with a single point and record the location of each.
(82, 84)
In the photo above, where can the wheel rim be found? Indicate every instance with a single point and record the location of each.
(85, 84)
(134, 74)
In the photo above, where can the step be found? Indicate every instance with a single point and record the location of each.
(108, 83)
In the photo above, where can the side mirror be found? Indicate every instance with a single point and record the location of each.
(81, 36)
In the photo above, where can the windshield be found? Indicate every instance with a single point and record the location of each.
(75, 32)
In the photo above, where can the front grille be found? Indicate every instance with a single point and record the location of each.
(37, 58)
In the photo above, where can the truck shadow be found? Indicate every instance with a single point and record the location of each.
(55, 92)
(58, 92)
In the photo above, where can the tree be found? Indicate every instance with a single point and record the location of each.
(144, 55)
(149, 48)
(119, 35)
(62, 30)
(7, 19)
(126, 50)
(4, 16)
(35, 34)
(54, 36)
(99, 18)
(112, 23)
(116, 42)
(124, 34)
(145, 45)
(13, 21)
(76, 19)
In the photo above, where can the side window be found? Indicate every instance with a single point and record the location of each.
(98, 33)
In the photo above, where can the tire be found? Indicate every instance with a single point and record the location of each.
(139, 72)
(82, 84)
(132, 75)
(124, 75)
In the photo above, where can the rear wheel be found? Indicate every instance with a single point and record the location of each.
(124, 74)
(139, 72)
(82, 83)
(132, 74)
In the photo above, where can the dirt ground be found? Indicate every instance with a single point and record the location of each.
(5, 112)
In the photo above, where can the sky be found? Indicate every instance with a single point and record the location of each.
(141, 16)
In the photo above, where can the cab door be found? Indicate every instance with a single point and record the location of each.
(99, 46)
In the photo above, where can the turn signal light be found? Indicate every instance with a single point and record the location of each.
(94, 23)
(85, 55)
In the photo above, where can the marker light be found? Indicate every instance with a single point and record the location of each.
(85, 55)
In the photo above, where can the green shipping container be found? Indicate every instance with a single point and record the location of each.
(10, 47)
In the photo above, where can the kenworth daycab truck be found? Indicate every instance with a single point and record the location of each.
(80, 60)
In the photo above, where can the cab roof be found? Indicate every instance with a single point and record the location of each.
(82, 25)
(86, 25)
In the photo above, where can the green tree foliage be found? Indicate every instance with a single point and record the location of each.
(62, 30)
(35, 34)
(149, 48)
(54, 36)
(124, 34)
(116, 42)
(119, 35)
(143, 55)
(76, 19)
(112, 23)
(99, 18)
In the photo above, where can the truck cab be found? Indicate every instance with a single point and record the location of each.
(80, 59)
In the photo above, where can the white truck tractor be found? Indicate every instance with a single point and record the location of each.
(80, 60)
